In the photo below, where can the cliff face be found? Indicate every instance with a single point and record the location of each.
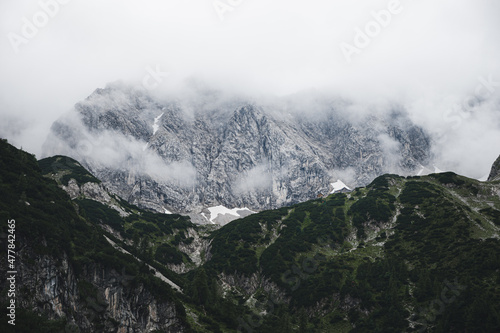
(495, 170)
(169, 155)
(97, 299)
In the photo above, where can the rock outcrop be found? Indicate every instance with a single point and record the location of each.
(100, 299)
(495, 170)
(184, 156)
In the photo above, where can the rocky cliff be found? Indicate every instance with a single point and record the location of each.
(183, 156)
(495, 170)
(98, 299)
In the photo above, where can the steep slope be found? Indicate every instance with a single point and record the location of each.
(495, 170)
(184, 157)
(171, 240)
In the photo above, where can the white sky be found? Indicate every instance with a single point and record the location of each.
(428, 58)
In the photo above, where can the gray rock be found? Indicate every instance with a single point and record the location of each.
(93, 191)
(495, 170)
(236, 153)
(116, 304)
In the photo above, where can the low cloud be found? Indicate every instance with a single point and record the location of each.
(425, 58)
(109, 149)
(256, 179)
(347, 176)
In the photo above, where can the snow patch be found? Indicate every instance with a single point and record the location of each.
(427, 170)
(206, 218)
(215, 211)
(338, 185)
(155, 125)
(167, 211)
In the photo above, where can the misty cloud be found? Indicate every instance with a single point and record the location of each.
(427, 59)
(390, 148)
(347, 176)
(114, 150)
(254, 180)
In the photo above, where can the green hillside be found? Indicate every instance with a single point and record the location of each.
(64, 168)
(48, 229)
(384, 258)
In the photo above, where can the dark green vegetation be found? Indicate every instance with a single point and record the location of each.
(154, 236)
(423, 251)
(403, 254)
(47, 223)
(66, 168)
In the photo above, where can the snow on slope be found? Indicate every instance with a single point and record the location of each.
(338, 185)
(427, 170)
(221, 210)
(155, 125)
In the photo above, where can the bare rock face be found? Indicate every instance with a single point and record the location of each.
(100, 299)
(93, 191)
(495, 170)
(184, 156)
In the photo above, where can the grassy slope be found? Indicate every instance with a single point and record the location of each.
(151, 236)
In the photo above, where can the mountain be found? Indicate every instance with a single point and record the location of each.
(169, 154)
(495, 170)
(68, 275)
(402, 254)
(173, 235)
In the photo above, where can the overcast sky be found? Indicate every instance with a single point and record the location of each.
(433, 57)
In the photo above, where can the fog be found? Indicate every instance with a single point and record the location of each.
(257, 179)
(436, 60)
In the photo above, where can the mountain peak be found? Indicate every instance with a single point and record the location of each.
(231, 151)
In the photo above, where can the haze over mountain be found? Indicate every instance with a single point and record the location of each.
(183, 153)
(432, 67)
(308, 147)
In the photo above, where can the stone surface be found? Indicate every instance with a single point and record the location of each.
(495, 170)
(237, 153)
(50, 286)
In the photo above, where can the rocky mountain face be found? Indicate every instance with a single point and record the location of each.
(495, 170)
(106, 209)
(100, 299)
(179, 156)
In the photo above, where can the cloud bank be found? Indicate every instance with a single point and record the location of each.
(427, 56)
